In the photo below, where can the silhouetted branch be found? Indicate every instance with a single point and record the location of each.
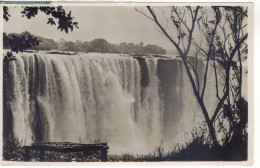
(213, 33)
(163, 30)
(144, 14)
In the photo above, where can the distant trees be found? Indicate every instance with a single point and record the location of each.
(221, 34)
(26, 41)
(46, 44)
(64, 22)
(101, 45)
(96, 45)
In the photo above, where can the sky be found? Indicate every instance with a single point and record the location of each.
(115, 24)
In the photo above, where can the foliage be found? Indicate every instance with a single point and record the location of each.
(198, 147)
(65, 21)
(24, 42)
(46, 44)
(96, 45)
(6, 14)
(101, 45)
(12, 150)
(20, 43)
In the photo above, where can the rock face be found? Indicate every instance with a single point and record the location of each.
(171, 83)
(132, 103)
(144, 71)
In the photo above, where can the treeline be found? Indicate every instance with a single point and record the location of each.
(96, 45)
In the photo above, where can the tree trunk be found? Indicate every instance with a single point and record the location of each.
(203, 108)
(210, 125)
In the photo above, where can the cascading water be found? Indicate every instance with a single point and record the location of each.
(132, 103)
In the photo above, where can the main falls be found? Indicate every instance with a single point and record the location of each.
(134, 104)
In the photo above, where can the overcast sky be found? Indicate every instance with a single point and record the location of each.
(115, 24)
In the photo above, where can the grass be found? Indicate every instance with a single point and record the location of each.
(195, 150)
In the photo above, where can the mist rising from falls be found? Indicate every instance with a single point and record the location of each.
(133, 104)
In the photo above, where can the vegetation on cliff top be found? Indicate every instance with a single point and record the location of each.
(25, 40)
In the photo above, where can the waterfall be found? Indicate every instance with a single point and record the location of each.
(132, 103)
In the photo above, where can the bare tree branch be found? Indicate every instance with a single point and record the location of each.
(163, 30)
(144, 14)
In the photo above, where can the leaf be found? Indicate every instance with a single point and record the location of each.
(66, 30)
(6, 18)
(71, 27)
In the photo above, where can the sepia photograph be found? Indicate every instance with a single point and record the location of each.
(144, 83)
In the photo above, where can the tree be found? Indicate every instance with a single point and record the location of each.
(222, 40)
(100, 45)
(227, 56)
(46, 44)
(19, 43)
(65, 22)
